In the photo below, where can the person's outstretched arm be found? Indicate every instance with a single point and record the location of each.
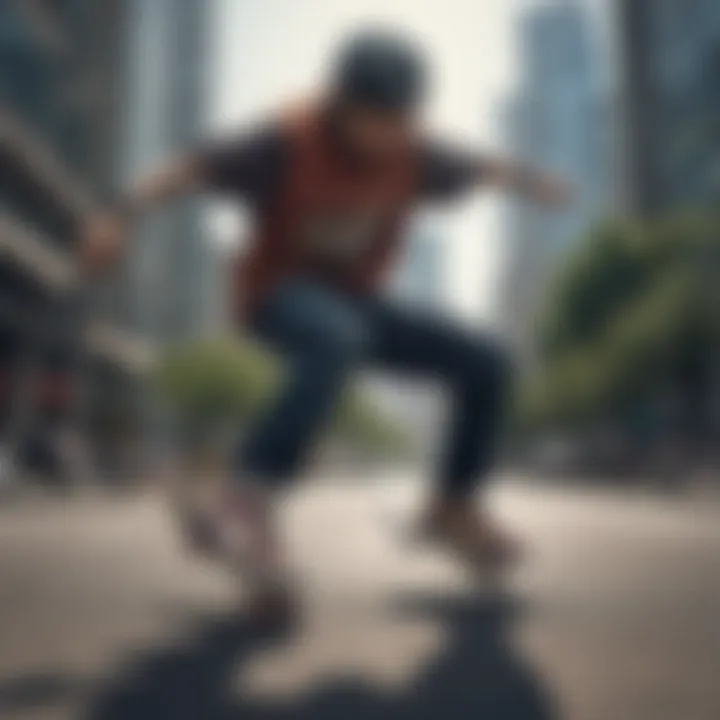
(248, 167)
(534, 184)
(103, 234)
(449, 171)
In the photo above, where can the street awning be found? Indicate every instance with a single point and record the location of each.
(36, 255)
(55, 270)
(40, 162)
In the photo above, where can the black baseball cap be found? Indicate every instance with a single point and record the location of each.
(380, 70)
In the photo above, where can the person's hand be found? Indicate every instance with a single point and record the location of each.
(101, 242)
(552, 191)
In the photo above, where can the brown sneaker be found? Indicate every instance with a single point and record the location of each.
(471, 535)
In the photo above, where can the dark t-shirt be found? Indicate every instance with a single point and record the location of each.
(252, 166)
(348, 242)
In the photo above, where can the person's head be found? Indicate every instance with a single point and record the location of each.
(377, 87)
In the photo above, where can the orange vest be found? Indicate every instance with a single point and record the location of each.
(332, 220)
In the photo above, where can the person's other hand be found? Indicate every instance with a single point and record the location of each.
(102, 240)
(552, 191)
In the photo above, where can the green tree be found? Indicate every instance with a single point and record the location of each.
(632, 317)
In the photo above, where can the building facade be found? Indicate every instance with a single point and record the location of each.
(669, 54)
(172, 270)
(557, 120)
(61, 70)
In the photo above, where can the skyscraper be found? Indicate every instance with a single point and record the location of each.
(60, 70)
(670, 102)
(557, 120)
(171, 272)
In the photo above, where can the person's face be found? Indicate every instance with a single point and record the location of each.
(377, 134)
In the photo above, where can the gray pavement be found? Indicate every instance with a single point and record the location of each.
(615, 615)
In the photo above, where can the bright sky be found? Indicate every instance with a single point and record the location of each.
(271, 50)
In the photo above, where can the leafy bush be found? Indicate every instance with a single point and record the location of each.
(634, 315)
(216, 383)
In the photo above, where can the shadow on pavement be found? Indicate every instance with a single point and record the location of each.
(478, 675)
(35, 691)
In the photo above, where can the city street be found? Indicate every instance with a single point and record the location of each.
(614, 615)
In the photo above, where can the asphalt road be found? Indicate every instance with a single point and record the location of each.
(615, 615)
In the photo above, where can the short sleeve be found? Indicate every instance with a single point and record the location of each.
(447, 171)
(250, 165)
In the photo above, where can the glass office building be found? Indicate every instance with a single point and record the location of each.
(61, 79)
(170, 274)
(556, 120)
(670, 60)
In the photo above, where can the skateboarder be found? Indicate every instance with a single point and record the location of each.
(329, 184)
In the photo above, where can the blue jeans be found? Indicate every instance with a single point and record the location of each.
(325, 335)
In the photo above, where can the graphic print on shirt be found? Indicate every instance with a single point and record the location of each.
(340, 237)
